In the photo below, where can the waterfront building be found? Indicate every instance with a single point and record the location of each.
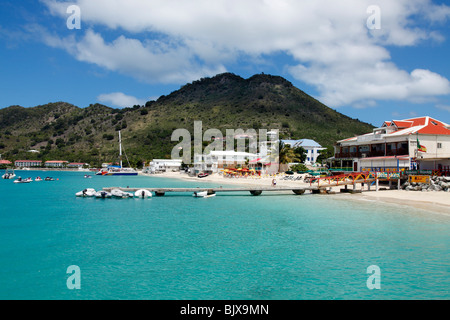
(417, 143)
(78, 165)
(164, 165)
(218, 160)
(55, 164)
(28, 163)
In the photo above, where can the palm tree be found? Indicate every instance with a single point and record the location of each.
(286, 156)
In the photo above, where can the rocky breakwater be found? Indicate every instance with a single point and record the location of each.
(436, 184)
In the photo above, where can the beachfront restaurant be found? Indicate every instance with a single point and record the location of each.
(421, 143)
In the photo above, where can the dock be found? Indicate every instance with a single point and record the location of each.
(320, 186)
(254, 191)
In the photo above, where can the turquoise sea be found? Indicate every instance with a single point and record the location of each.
(232, 246)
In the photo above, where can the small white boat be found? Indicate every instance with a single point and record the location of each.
(103, 194)
(38, 179)
(49, 179)
(142, 193)
(203, 194)
(87, 176)
(120, 194)
(20, 180)
(89, 192)
(210, 195)
(200, 194)
(9, 175)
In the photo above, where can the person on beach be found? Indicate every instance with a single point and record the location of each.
(274, 182)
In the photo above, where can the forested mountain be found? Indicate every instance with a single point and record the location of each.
(62, 131)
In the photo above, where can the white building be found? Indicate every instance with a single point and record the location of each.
(217, 160)
(311, 147)
(393, 146)
(55, 164)
(164, 165)
(27, 163)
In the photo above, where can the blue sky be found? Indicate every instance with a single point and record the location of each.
(371, 60)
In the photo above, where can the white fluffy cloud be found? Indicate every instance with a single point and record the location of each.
(120, 100)
(177, 41)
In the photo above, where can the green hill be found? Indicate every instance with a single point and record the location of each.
(65, 132)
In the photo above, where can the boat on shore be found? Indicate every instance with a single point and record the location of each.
(118, 170)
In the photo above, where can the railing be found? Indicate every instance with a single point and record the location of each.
(373, 153)
(354, 177)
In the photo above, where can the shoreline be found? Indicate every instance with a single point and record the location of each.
(437, 201)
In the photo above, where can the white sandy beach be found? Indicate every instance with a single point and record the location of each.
(437, 201)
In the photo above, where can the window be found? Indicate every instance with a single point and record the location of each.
(439, 145)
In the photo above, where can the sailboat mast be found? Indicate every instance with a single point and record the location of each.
(120, 149)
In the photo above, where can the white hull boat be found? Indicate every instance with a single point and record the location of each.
(117, 193)
(203, 194)
(142, 193)
(20, 180)
(89, 192)
(118, 170)
(9, 175)
(103, 194)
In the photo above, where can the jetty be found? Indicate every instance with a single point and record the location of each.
(321, 185)
(254, 191)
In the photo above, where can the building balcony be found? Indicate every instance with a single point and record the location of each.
(373, 153)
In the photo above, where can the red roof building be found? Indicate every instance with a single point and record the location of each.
(27, 163)
(424, 140)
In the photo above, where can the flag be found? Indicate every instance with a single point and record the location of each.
(420, 147)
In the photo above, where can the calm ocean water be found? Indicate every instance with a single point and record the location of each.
(232, 246)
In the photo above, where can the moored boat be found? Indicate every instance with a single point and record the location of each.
(203, 194)
(9, 175)
(117, 193)
(20, 180)
(118, 170)
(142, 193)
(88, 192)
(103, 194)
